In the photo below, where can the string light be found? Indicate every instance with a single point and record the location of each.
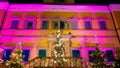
(59, 50)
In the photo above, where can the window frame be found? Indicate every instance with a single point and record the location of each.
(15, 18)
(6, 56)
(24, 59)
(76, 50)
(71, 24)
(43, 50)
(101, 27)
(88, 26)
(47, 27)
(109, 58)
(91, 59)
(30, 19)
(59, 24)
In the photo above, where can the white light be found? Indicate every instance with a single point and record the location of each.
(45, 65)
(64, 60)
(54, 61)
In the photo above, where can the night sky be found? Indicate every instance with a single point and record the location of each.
(96, 2)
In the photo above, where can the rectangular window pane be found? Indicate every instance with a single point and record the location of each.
(62, 25)
(66, 25)
(6, 55)
(109, 55)
(42, 53)
(55, 24)
(91, 59)
(88, 25)
(73, 24)
(75, 53)
(102, 25)
(44, 24)
(25, 54)
(14, 24)
(30, 25)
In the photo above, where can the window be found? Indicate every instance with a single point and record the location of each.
(30, 25)
(44, 24)
(60, 0)
(25, 54)
(109, 55)
(75, 53)
(60, 24)
(6, 55)
(88, 25)
(91, 59)
(73, 24)
(14, 24)
(42, 53)
(102, 25)
(55, 25)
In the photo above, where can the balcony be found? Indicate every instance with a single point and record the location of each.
(46, 62)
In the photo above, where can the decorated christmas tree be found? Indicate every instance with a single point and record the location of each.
(15, 58)
(58, 50)
(98, 58)
(117, 59)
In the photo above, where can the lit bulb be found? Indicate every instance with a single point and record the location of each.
(54, 61)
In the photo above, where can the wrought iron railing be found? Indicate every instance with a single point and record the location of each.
(46, 62)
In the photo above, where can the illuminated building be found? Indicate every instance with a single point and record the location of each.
(31, 24)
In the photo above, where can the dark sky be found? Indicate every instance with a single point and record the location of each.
(99, 2)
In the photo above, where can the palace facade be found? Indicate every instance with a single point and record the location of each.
(84, 27)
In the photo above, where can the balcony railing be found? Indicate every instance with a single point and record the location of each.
(46, 62)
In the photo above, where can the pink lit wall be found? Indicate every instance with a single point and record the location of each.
(36, 35)
(58, 8)
(3, 9)
(4, 5)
